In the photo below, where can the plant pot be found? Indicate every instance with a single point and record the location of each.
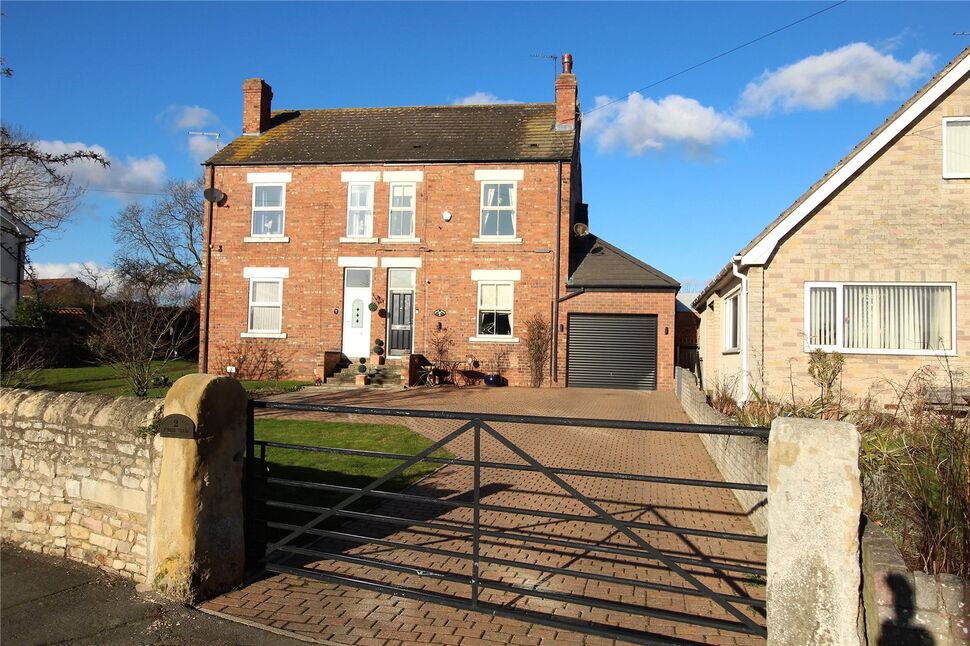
(360, 380)
(493, 380)
(377, 359)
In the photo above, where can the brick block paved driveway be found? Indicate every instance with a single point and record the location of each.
(347, 615)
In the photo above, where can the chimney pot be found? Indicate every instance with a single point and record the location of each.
(257, 106)
(567, 63)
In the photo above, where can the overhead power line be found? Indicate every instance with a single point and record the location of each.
(721, 55)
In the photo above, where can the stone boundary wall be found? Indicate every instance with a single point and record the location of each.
(904, 607)
(76, 476)
(739, 459)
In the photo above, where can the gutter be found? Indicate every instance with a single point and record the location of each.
(742, 325)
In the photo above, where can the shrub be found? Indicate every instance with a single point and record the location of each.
(537, 339)
(916, 476)
(254, 359)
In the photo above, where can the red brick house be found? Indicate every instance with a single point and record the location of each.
(339, 227)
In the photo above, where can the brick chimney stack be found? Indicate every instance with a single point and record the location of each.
(257, 106)
(567, 105)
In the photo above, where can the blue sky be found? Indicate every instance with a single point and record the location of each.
(682, 175)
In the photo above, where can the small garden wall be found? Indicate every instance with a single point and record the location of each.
(904, 607)
(76, 476)
(739, 459)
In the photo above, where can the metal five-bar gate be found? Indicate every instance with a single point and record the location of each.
(595, 571)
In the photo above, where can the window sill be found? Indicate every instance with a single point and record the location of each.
(957, 176)
(266, 239)
(493, 339)
(876, 352)
(262, 335)
(732, 351)
(496, 240)
(400, 240)
(357, 240)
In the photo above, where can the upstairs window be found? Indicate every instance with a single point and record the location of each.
(360, 209)
(956, 147)
(880, 318)
(498, 210)
(265, 305)
(495, 309)
(401, 217)
(268, 209)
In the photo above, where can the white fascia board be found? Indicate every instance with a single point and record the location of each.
(759, 254)
(357, 261)
(496, 274)
(404, 176)
(269, 178)
(496, 174)
(266, 272)
(400, 263)
(360, 176)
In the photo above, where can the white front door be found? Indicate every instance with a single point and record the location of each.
(357, 296)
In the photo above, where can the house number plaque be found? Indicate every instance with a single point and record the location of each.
(178, 426)
(439, 313)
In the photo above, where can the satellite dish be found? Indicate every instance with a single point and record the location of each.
(213, 195)
(581, 229)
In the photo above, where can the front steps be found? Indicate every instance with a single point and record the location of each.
(382, 376)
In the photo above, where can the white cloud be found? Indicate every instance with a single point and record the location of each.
(642, 125)
(481, 98)
(856, 71)
(68, 269)
(187, 117)
(131, 175)
(202, 147)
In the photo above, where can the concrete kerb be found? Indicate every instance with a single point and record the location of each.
(814, 506)
(196, 547)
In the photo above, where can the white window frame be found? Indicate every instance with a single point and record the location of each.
(946, 172)
(840, 319)
(249, 312)
(282, 207)
(732, 310)
(370, 220)
(391, 209)
(501, 338)
(482, 236)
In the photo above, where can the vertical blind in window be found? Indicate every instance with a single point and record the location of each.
(265, 306)
(956, 156)
(898, 317)
(822, 315)
(732, 334)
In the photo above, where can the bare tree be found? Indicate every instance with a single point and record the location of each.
(35, 185)
(100, 280)
(163, 238)
(141, 330)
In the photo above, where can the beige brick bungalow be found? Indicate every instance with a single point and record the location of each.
(872, 261)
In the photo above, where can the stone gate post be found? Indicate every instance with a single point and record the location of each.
(196, 544)
(814, 507)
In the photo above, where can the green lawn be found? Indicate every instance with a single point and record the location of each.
(104, 380)
(348, 471)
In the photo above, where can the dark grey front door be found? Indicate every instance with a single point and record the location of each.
(402, 323)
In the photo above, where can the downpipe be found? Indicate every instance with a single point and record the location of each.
(742, 325)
